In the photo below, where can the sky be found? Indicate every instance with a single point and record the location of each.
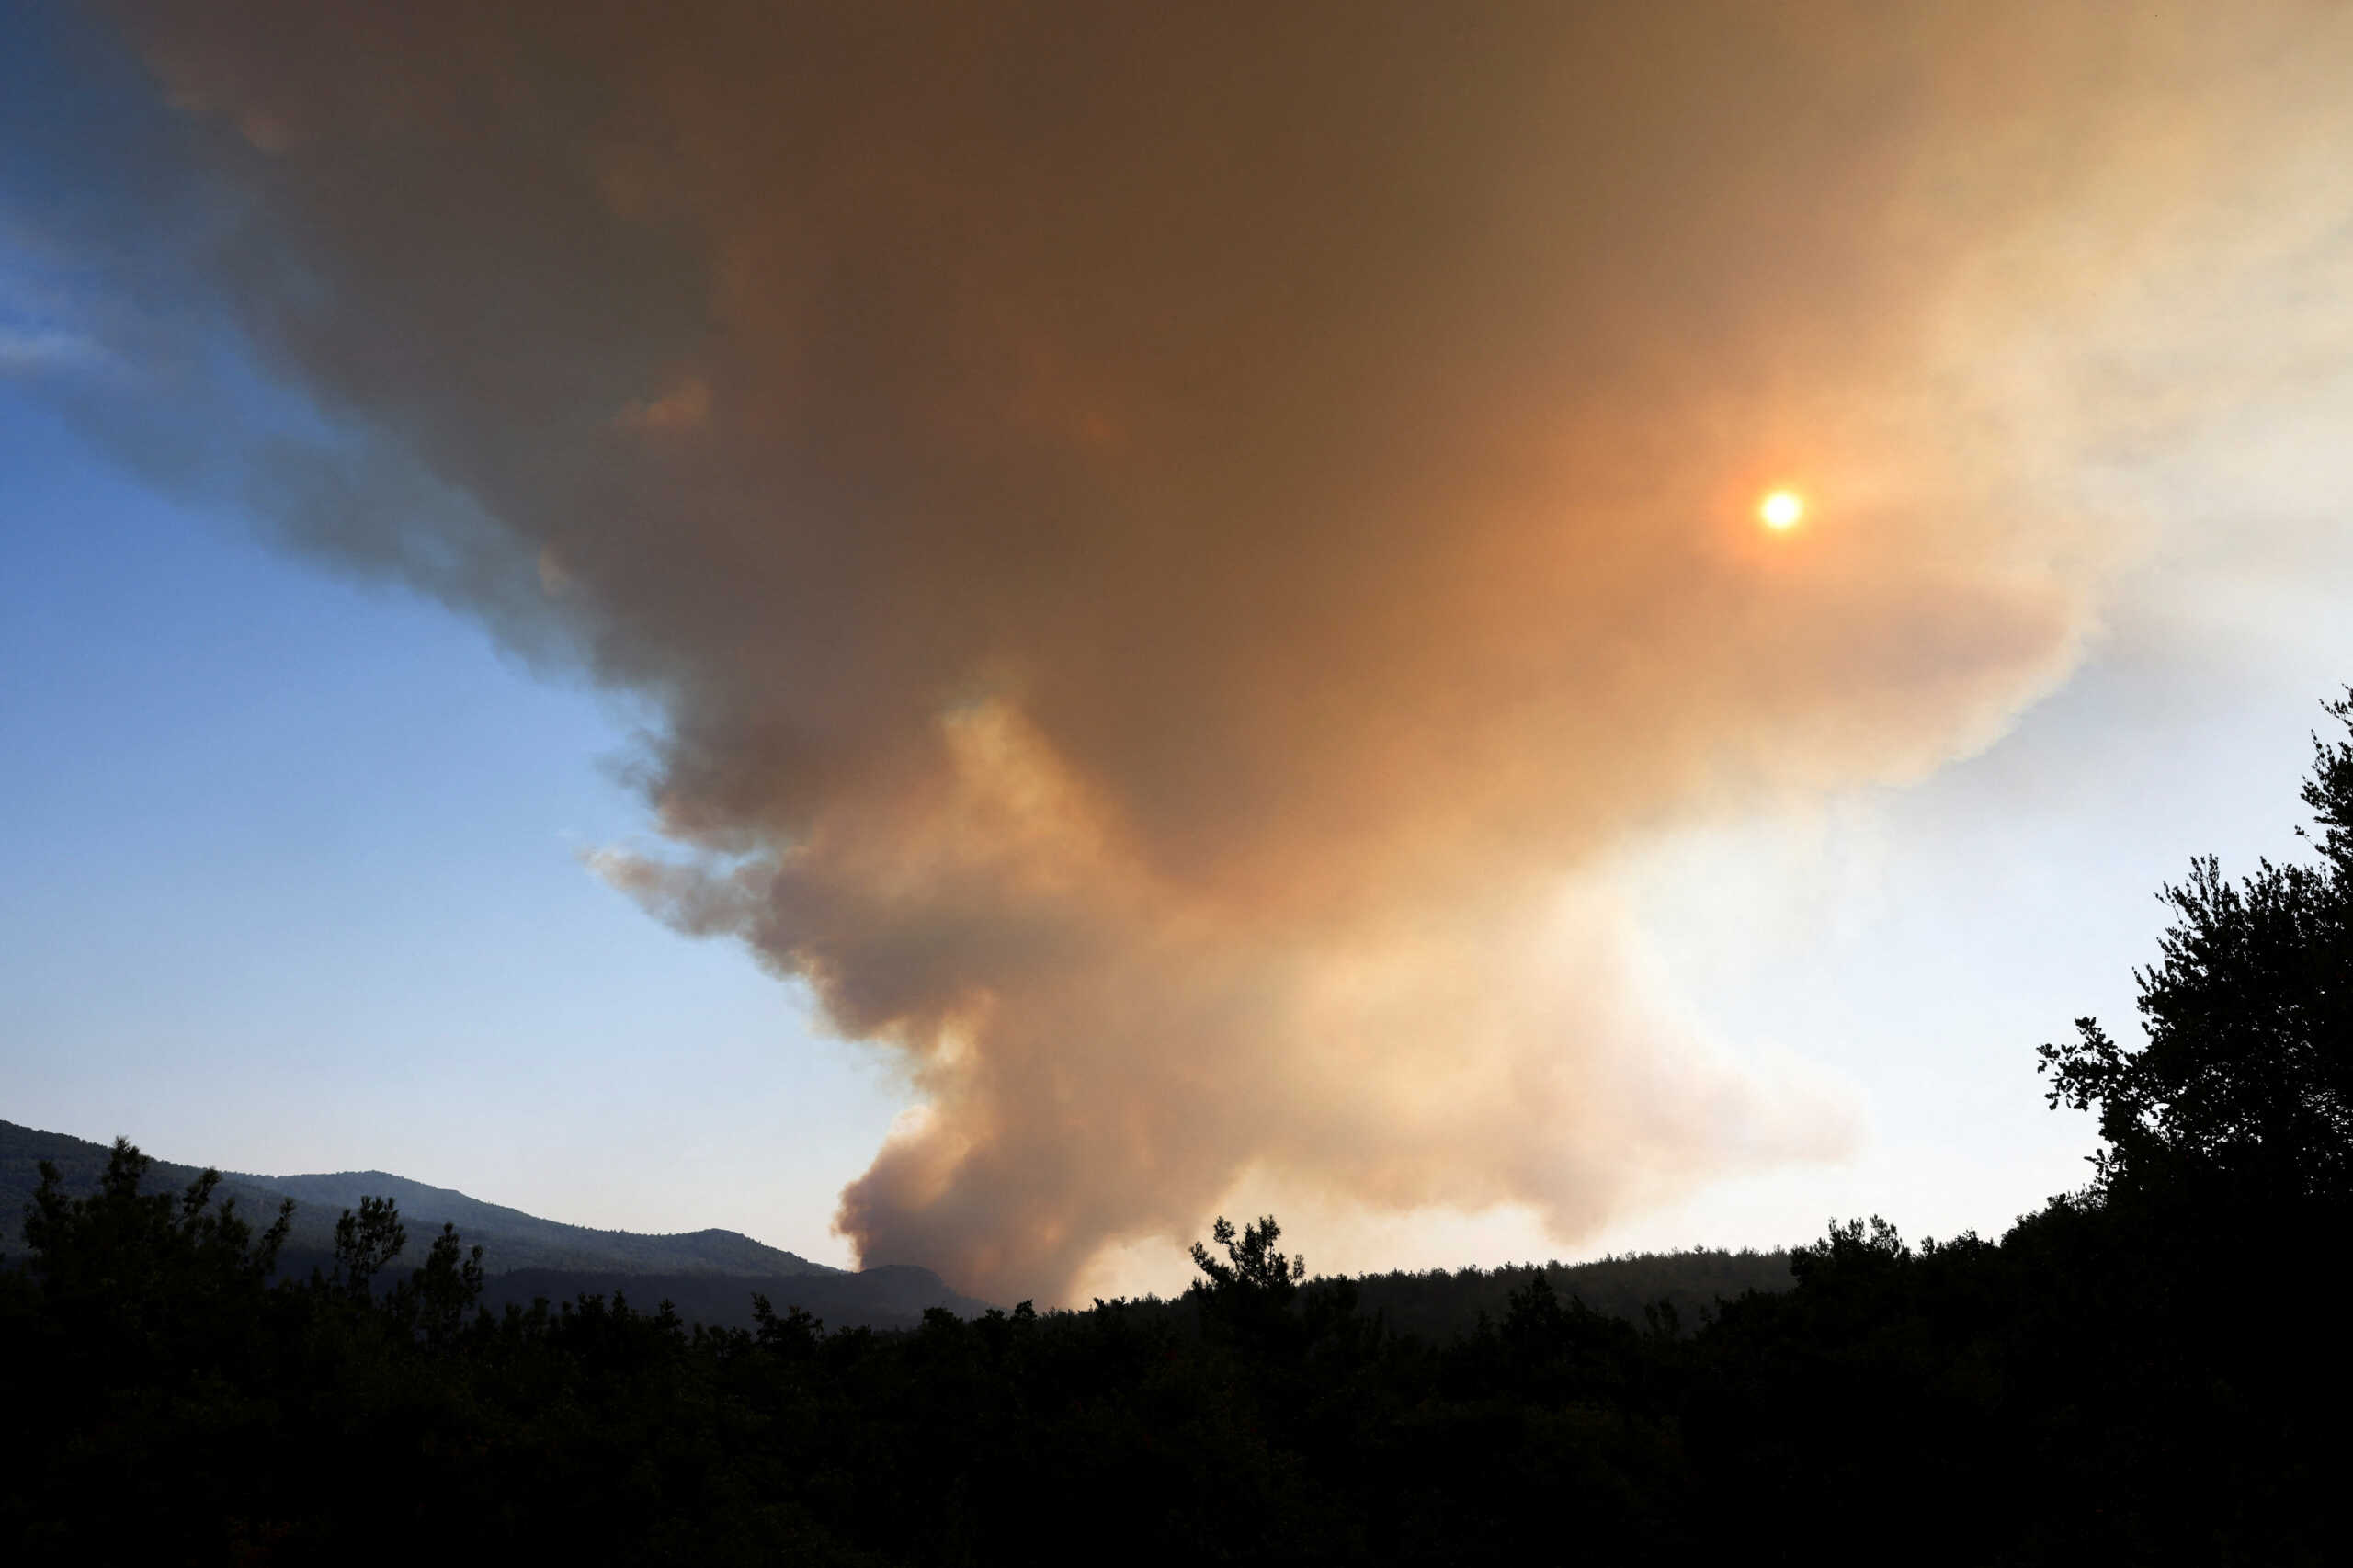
(1165, 616)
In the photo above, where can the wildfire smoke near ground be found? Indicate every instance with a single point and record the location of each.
(1167, 543)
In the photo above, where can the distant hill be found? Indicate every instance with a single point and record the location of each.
(1443, 1304)
(511, 1239)
(710, 1275)
(81, 1163)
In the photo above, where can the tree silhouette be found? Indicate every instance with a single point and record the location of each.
(1252, 1264)
(122, 1250)
(2247, 1074)
(366, 1241)
(2142, 1372)
(446, 1287)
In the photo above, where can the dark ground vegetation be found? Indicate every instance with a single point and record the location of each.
(2140, 1372)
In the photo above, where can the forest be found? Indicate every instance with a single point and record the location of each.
(2140, 1371)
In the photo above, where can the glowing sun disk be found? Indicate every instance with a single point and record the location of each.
(1781, 510)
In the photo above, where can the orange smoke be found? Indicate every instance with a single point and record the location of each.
(1168, 537)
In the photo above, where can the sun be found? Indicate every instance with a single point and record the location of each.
(1781, 510)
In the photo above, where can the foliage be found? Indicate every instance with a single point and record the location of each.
(2246, 1083)
(1252, 1267)
(2115, 1379)
(512, 1241)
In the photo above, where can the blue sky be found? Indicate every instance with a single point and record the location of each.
(290, 862)
(292, 883)
(291, 870)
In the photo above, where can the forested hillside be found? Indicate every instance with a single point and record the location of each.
(2106, 1382)
(1635, 1286)
(509, 1238)
(710, 1276)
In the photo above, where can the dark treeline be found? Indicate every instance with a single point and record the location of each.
(1638, 1286)
(511, 1240)
(2138, 1373)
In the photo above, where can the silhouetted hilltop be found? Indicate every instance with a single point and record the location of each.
(710, 1276)
(509, 1238)
(2106, 1382)
(1440, 1305)
(81, 1163)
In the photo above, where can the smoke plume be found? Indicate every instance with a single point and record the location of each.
(1169, 540)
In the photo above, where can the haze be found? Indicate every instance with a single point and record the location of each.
(1199, 584)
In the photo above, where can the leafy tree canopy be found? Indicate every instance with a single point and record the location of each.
(1251, 1263)
(2247, 1072)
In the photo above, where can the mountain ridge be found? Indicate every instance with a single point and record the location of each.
(510, 1238)
(710, 1273)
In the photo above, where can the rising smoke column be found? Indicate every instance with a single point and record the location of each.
(1168, 544)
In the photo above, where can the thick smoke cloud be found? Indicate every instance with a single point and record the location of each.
(1168, 540)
